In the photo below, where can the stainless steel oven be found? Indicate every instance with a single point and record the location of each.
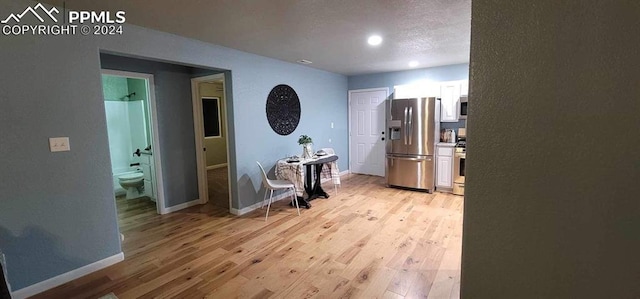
(459, 159)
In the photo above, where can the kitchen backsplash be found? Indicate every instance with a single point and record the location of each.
(457, 125)
(449, 125)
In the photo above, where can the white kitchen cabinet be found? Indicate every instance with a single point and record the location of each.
(450, 96)
(416, 90)
(464, 87)
(444, 166)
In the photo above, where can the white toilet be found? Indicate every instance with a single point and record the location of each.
(132, 183)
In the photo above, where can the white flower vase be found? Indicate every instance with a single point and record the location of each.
(307, 152)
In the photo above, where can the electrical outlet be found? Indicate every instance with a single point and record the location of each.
(59, 144)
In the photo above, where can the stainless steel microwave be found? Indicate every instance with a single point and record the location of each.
(464, 106)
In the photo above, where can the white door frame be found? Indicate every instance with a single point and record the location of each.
(385, 89)
(157, 161)
(198, 124)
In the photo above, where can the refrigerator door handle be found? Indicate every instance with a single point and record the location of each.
(406, 111)
(409, 159)
(410, 125)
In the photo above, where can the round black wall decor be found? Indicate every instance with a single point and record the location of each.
(283, 109)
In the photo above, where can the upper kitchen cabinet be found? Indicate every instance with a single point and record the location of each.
(449, 92)
(416, 90)
(450, 98)
(464, 88)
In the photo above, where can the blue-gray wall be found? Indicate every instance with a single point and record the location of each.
(57, 211)
(391, 79)
(436, 74)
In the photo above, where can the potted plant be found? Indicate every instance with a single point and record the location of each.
(306, 142)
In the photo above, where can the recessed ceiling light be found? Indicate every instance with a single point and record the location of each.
(413, 63)
(374, 40)
(304, 61)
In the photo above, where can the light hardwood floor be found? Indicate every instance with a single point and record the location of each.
(368, 241)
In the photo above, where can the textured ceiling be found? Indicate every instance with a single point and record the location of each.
(332, 33)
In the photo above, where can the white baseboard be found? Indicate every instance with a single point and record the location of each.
(66, 277)
(258, 204)
(182, 206)
(216, 166)
(275, 198)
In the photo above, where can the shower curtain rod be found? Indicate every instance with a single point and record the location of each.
(126, 98)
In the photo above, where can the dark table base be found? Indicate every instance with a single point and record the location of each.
(314, 187)
(303, 203)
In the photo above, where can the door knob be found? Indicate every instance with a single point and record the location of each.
(382, 138)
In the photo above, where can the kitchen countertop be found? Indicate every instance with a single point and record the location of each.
(446, 144)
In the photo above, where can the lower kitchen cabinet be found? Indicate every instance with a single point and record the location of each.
(444, 167)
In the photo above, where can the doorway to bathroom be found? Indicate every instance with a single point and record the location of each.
(130, 108)
(211, 138)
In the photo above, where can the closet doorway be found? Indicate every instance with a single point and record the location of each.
(211, 134)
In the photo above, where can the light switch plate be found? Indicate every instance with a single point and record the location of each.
(59, 144)
(332, 125)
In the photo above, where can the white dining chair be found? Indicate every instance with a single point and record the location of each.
(276, 185)
(331, 151)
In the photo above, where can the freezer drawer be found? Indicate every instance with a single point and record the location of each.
(410, 172)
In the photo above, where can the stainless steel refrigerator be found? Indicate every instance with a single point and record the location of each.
(411, 127)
